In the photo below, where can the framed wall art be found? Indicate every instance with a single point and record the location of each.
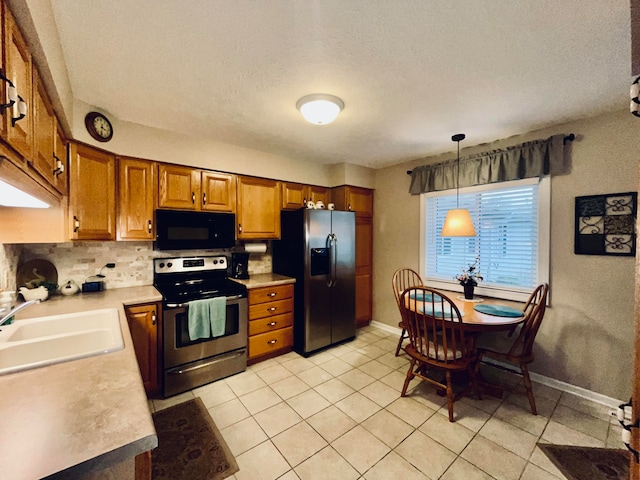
(606, 224)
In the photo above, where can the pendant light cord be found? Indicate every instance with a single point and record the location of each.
(457, 138)
(458, 179)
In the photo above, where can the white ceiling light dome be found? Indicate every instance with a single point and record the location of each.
(320, 108)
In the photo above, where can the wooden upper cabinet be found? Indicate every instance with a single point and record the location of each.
(218, 192)
(92, 192)
(319, 194)
(18, 69)
(62, 160)
(136, 199)
(296, 195)
(179, 187)
(258, 208)
(354, 199)
(44, 122)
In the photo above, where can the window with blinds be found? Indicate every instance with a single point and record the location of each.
(508, 237)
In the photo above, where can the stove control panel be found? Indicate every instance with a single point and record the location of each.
(189, 264)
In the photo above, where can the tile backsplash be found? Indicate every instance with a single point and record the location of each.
(79, 260)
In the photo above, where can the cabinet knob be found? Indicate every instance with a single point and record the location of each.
(153, 318)
(349, 207)
(149, 226)
(272, 324)
(271, 294)
(76, 224)
(272, 309)
(239, 228)
(193, 197)
(272, 342)
(204, 198)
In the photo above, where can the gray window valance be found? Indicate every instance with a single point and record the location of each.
(530, 159)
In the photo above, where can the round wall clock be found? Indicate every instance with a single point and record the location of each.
(98, 126)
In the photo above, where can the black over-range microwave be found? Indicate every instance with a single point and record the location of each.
(184, 230)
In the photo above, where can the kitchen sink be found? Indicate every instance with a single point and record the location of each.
(42, 341)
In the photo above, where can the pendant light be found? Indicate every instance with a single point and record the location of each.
(458, 222)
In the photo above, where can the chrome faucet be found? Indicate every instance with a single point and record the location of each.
(12, 312)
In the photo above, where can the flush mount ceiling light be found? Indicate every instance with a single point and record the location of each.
(458, 221)
(320, 108)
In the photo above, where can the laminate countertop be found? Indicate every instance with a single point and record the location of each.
(90, 414)
(264, 280)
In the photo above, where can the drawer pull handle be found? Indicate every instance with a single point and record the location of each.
(272, 342)
(272, 309)
(272, 294)
(272, 324)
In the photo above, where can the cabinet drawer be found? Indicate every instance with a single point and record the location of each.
(268, 294)
(270, 324)
(270, 342)
(270, 309)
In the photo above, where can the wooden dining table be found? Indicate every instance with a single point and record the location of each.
(475, 321)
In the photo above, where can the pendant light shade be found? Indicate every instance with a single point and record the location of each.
(458, 221)
(458, 224)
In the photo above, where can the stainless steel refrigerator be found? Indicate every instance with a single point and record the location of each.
(317, 248)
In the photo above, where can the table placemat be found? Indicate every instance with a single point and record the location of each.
(498, 310)
(427, 310)
(424, 296)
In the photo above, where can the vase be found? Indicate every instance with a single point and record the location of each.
(468, 291)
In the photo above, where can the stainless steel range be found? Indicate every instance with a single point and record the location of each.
(191, 363)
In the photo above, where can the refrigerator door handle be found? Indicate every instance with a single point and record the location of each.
(333, 258)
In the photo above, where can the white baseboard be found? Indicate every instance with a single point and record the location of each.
(609, 402)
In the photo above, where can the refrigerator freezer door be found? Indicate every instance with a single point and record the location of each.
(317, 308)
(343, 292)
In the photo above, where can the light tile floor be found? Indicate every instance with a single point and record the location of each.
(339, 415)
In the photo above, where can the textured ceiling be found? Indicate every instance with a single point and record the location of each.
(411, 73)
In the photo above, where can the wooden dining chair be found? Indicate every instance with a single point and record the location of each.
(437, 340)
(402, 279)
(520, 354)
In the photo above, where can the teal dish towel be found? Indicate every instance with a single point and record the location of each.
(218, 315)
(198, 319)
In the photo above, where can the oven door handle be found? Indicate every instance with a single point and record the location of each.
(186, 304)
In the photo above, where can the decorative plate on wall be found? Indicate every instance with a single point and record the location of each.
(37, 272)
(605, 224)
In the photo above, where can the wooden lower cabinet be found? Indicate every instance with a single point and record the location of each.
(270, 321)
(145, 326)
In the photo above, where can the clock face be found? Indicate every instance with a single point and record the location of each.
(102, 127)
(98, 126)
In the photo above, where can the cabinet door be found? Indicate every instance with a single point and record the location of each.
(179, 187)
(136, 199)
(319, 194)
(91, 194)
(360, 200)
(294, 195)
(144, 325)
(364, 270)
(218, 192)
(44, 130)
(258, 208)
(17, 64)
(62, 161)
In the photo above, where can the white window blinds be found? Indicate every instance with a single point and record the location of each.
(506, 219)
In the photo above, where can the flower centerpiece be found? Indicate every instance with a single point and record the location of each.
(469, 278)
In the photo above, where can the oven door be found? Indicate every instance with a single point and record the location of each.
(179, 349)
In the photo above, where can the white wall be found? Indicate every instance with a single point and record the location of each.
(587, 335)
